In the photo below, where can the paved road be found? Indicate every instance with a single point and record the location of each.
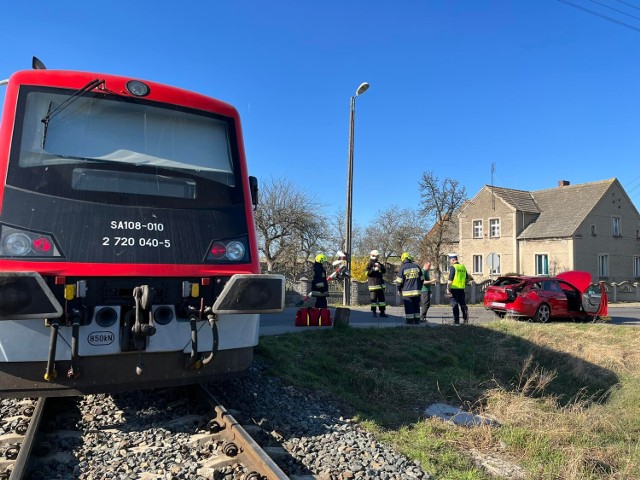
(278, 323)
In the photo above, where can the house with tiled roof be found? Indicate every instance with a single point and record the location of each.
(591, 226)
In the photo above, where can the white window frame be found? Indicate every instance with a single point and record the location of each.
(494, 227)
(616, 231)
(636, 266)
(477, 229)
(603, 265)
(544, 257)
(477, 264)
(496, 271)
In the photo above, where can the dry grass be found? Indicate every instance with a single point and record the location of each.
(566, 396)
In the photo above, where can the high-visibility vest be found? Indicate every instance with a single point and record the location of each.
(460, 278)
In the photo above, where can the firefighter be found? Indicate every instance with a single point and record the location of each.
(375, 280)
(320, 284)
(339, 267)
(409, 281)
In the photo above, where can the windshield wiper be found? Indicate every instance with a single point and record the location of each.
(50, 114)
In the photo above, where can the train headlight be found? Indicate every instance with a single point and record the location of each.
(137, 88)
(235, 251)
(17, 244)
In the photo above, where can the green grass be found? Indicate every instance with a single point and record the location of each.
(567, 396)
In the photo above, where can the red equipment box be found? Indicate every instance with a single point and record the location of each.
(313, 317)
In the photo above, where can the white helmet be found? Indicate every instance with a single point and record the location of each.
(374, 253)
(340, 253)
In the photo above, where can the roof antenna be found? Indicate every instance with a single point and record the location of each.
(37, 64)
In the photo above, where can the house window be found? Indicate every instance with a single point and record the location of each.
(603, 265)
(494, 227)
(636, 267)
(477, 229)
(477, 264)
(542, 264)
(496, 270)
(615, 226)
(593, 230)
(444, 265)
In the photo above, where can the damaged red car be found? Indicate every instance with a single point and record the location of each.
(568, 295)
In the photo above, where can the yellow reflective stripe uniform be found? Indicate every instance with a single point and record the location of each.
(408, 280)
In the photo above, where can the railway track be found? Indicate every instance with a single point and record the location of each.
(17, 441)
(237, 445)
(219, 443)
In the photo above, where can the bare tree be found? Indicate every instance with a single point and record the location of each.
(439, 204)
(288, 225)
(395, 230)
(336, 235)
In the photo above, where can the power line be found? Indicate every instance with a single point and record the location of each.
(600, 15)
(614, 9)
(630, 5)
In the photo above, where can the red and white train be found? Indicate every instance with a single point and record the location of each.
(128, 253)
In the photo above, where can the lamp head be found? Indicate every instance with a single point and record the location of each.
(362, 88)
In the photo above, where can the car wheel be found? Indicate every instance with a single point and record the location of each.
(543, 314)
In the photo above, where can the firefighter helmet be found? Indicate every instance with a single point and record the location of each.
(321, 258)
(374, 253)
(406, 256)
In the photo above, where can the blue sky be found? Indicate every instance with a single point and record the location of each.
(543, 90)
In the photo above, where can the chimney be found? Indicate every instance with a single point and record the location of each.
(563, 183)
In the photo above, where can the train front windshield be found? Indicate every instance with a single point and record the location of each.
(112, 149)
(115, 179)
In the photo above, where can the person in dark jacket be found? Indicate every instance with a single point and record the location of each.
(319, 284)
(425, 291)
(409, 281)
(375, 281)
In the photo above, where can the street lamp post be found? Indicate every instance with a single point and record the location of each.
(347, 287)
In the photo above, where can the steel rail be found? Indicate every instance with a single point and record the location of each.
(256, 458)
(21, 464)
